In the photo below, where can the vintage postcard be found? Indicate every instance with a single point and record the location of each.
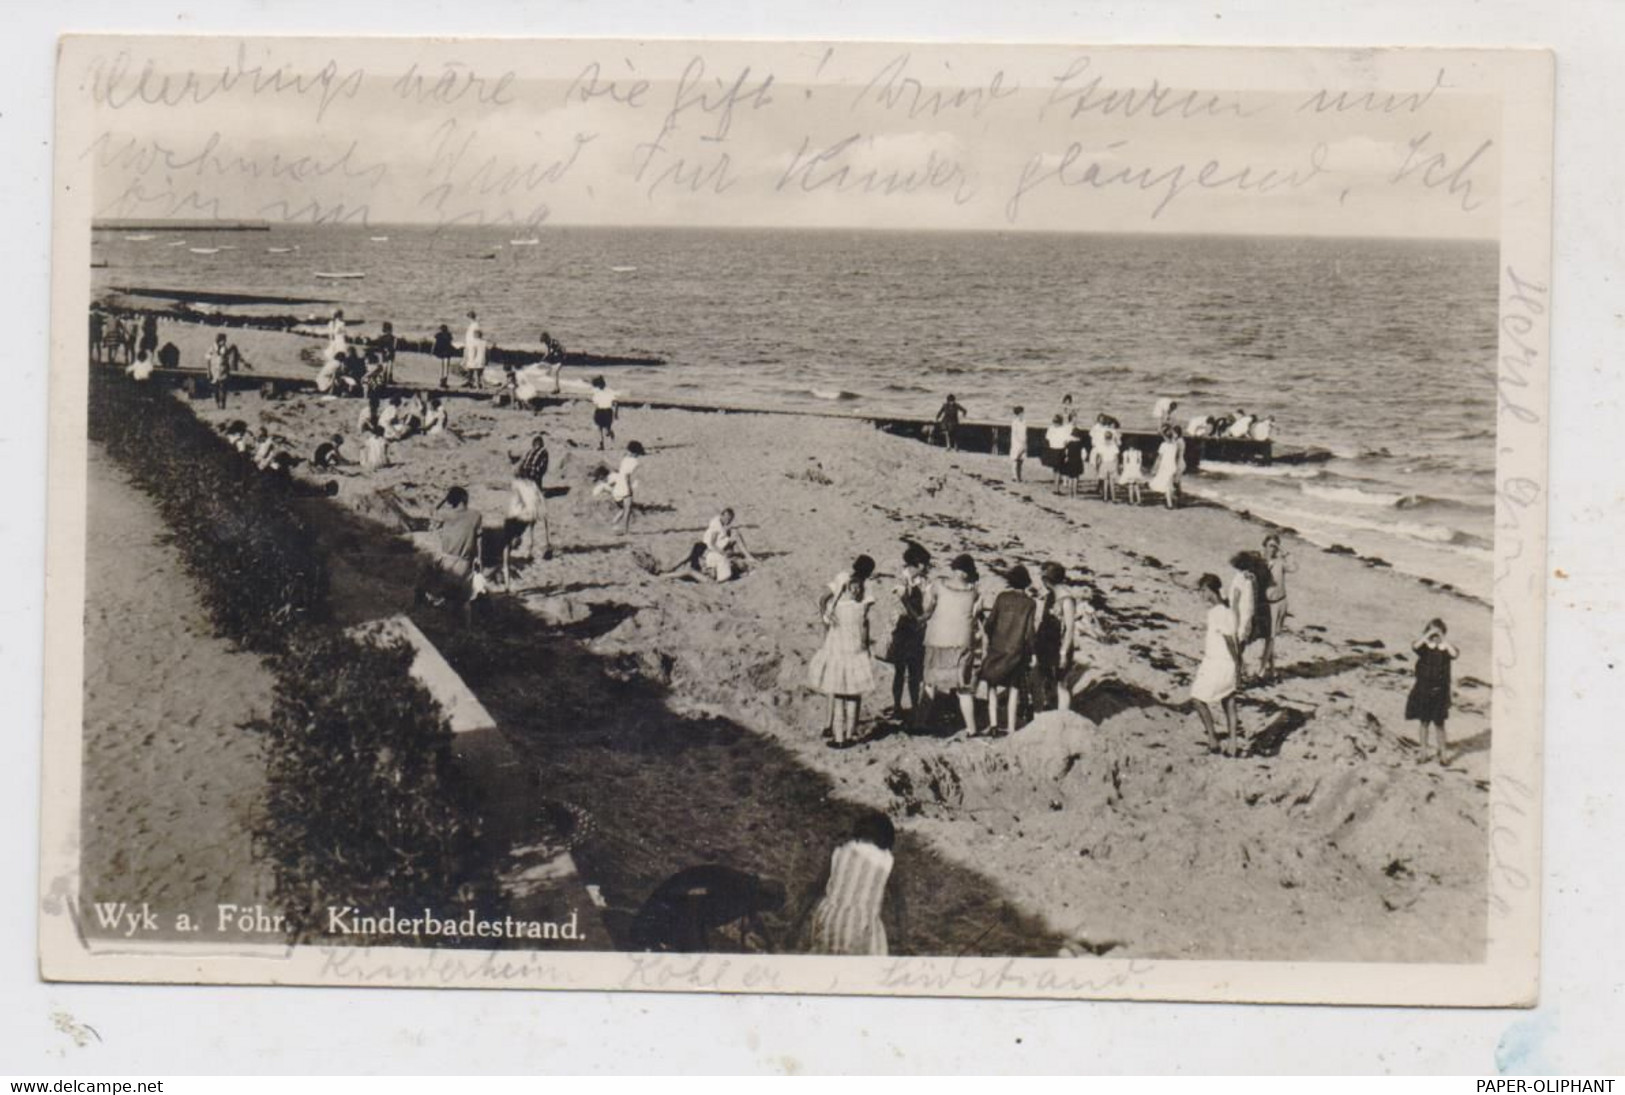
(798, 517)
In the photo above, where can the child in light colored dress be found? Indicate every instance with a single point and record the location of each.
(1133, 475)
(1110, 451)
(841, 668)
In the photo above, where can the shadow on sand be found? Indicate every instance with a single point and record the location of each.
(668, 791)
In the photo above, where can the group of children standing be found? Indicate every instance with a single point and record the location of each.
(1025, 646)
(1253, 609)
(1101, 456)
(1030, 646)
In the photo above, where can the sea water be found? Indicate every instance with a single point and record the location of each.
(1379, 351)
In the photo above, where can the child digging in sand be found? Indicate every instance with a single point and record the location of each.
(1429, 701)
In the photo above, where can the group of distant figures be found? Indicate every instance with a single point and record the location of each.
(352, 365)
(1101, 459)
(136, 341)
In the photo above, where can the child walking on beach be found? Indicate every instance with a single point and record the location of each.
(605, 410)
(1244, 606)
(1170, 466)
(1018, 440)
(1429, 701)
(841, 668)
(623, 485)
(1216, 679)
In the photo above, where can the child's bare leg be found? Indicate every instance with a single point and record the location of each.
(1015, 707)
(967, 710)
(1233, 726)
(1206, 715)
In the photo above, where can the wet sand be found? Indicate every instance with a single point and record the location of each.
(1110, 827)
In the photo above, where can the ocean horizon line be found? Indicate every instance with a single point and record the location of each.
(193, 224)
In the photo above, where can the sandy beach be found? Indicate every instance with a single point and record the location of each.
(1110, 827)
(172, 784)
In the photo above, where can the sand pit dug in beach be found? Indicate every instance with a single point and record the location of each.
(1130, 816)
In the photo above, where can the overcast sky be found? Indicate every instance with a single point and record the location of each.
(788, 134)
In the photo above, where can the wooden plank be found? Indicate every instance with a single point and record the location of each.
(463, 709)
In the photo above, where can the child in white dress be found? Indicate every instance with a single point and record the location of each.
(1110, 451)
(1133, 474)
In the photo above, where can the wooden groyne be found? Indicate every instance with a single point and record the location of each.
(975, 437)
(179, 226)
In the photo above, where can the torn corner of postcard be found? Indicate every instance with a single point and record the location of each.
(801, 517)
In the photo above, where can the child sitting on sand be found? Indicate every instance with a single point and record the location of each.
(725, 550)
(854, 900)
(1429, 701)
(508, 392)
(329, 454)
(375, 448)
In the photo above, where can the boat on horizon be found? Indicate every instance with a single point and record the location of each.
(526, 243)
(338, 275)
(204, 250)
(379, 239)
(143, 238)
(176, 243)
(622, 269)
(281, 250)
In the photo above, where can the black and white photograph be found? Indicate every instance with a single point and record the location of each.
(850, 517)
